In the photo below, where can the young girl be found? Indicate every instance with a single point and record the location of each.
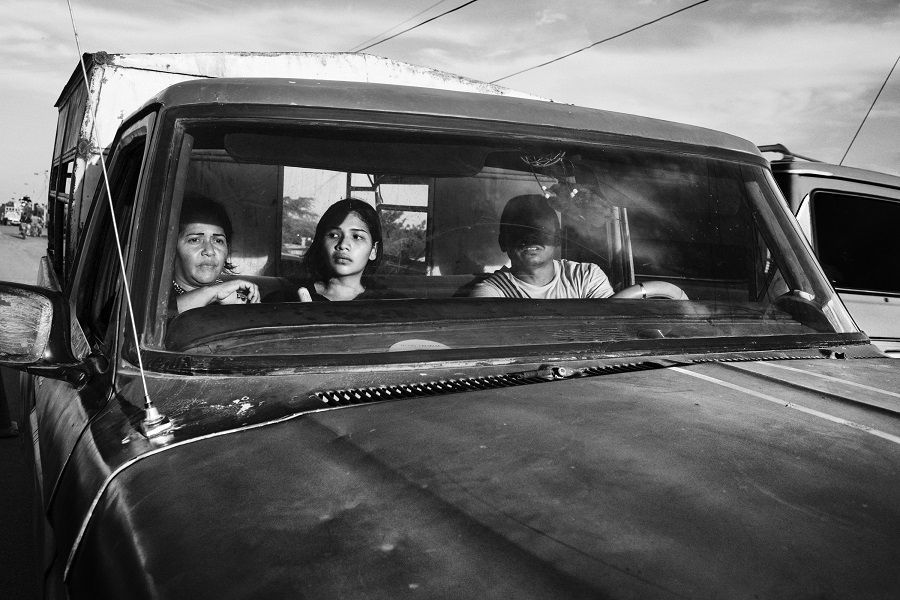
(347, 244)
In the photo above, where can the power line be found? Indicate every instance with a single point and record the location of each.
(375, 37)
(543, 64)
(870, 110)
(420, 24)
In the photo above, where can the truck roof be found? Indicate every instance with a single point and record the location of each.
(342, 66)
(444, 103)
(829, 170)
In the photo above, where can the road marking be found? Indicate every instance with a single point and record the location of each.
(876, 432)
(837, 379)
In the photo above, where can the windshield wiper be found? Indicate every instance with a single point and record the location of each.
(543, 374)
(554, 372)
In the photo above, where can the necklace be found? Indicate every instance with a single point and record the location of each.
(180, 290)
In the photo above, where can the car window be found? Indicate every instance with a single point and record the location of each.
(855, 240)
(636, 222)
(99, 271)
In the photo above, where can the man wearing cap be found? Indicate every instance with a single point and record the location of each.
(530, 234)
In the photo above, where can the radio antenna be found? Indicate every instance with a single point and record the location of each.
(153, 423)
(870, 110)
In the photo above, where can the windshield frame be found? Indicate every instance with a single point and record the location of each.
(177, 122)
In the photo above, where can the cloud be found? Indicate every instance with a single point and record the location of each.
(781, 85)
(802, 72)
(549, 16)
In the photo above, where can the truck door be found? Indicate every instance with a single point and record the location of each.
(63, 410)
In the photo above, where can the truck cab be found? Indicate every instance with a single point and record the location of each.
(850, 216)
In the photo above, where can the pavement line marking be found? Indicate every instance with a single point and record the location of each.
(837, 379)
(876, 432)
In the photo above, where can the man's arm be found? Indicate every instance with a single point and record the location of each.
(486, 290)
(596, 283)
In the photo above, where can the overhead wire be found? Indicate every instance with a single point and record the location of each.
(426, 21)
(612, 37)
(868, 112)
(389, 29)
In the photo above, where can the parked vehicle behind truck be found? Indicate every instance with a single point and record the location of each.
(10, 216)
(851, 217)
(719, 427)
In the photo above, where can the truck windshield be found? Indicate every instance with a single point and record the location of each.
(485, 242)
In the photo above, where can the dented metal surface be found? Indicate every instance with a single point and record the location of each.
(618, 485)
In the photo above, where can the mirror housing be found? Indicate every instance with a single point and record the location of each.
(27, 319)
(35, 335)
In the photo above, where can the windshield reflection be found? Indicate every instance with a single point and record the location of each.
(599, 243)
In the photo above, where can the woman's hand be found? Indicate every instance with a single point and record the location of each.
(303, 295)
(235, 291)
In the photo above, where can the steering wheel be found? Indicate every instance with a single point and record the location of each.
(652, 289)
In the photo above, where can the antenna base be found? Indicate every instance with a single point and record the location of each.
(154, 423)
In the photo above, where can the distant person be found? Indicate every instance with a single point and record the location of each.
(27, 211)
(530, 236)
(25, 217)
(346, 246)
(36, 227)
(202, 255)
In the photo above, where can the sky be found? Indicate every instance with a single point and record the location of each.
(802, 73)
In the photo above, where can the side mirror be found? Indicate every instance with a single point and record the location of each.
(26, 319)
(34, 332)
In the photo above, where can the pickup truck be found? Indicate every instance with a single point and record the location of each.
(686, 409)
(851, 217)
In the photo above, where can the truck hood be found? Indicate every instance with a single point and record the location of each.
(762, 479)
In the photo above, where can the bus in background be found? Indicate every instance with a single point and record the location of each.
(851, 217)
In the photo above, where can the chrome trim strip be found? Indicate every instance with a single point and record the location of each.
(808, 172)
(781, 402)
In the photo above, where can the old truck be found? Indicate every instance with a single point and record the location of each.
(851, 217)
(710, 423)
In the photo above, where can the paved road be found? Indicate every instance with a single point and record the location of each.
(19, 258)
(18, 262)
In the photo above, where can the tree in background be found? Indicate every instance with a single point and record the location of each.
(404, 243)
(298, 221)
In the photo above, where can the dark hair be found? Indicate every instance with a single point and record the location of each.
(314, 259)
(200, 209)
(523, 217)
